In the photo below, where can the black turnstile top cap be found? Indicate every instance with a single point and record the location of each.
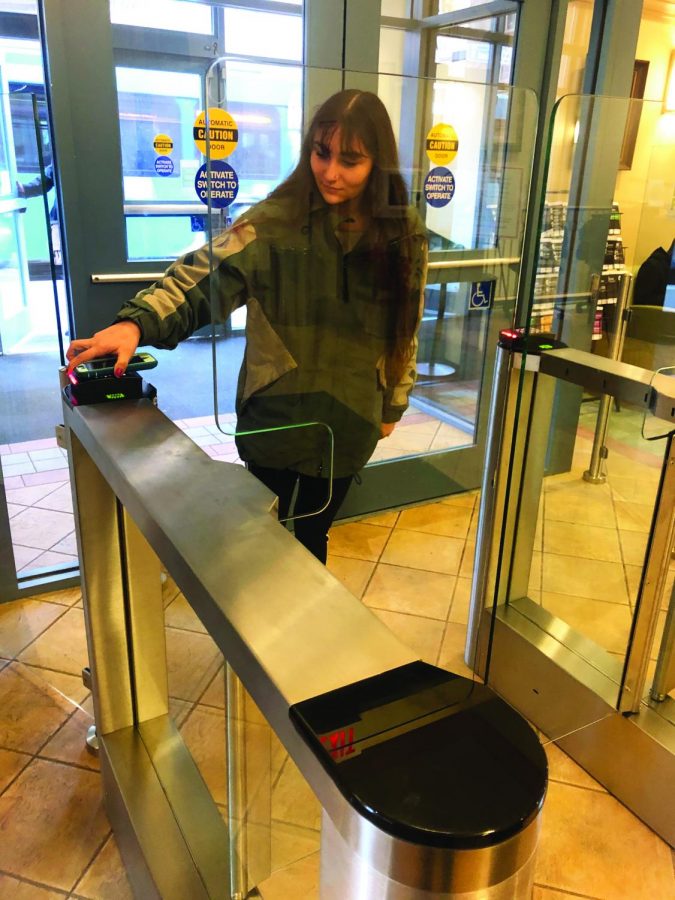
(429, 756)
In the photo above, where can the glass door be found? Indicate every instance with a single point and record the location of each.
(14, 306)
(463, 53)
(36, 522)
(157, 79)
(475, 240)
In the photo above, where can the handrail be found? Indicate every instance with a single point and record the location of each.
(123, 277)
(119, 278)
(469, 263)
(644, 388)
(177, 209)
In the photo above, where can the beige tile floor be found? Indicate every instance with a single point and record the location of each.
(413, 569)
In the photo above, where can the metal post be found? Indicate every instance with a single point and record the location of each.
(664, 676)
(249, 789)
(593, 474)
(236, 783)
(655, 572)
(488, 493)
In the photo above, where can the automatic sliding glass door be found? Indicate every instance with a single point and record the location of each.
(36, 524)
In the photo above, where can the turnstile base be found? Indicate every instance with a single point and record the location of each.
(344, 873)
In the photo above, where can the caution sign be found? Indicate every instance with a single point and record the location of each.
(220, 187)
(439, 187)
(223, 133)
(163, 144)
(442, 144)
(164, 166)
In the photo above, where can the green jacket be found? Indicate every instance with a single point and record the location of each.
(315, 333)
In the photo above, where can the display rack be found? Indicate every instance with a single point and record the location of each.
(546, 291)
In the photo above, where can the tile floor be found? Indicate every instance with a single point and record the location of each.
(412, 568)
(38, 491)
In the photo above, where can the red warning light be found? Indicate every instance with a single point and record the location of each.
(339, 744)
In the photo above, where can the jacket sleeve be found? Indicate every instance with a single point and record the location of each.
(38, 186)
(194, 292)
(396, 397)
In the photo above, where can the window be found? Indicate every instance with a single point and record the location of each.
(273, 35)
(153, 102)
(170, 15)
(162, 86)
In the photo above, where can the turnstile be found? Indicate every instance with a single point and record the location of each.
(431, 785)
(595, 704)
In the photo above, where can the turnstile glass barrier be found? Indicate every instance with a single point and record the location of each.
(272, 815)
(465, 186)
(470, 209)
(577, 561)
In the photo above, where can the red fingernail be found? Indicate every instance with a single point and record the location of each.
(118, 372)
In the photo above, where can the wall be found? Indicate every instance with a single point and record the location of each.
(645, 191)
(570, 77)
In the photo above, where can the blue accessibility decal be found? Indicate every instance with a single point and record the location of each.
(164, 166)
(439, 187)
(221, 185)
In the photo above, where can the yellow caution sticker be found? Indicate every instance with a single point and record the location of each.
(163, 144)
(442, 144)
(223, 133)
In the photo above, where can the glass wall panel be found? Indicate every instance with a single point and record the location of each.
(161, 92)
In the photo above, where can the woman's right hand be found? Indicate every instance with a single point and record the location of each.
(119, 340)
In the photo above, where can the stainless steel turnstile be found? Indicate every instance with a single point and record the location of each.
(431, 785)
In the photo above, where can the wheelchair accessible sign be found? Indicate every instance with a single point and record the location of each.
(482, 294)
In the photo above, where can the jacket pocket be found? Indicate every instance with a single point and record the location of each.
(267, 359)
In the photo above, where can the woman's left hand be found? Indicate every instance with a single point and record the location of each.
(386, 429)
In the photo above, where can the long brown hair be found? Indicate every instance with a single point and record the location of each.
(362, 118)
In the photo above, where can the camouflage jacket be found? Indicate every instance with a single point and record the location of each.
(315, 333)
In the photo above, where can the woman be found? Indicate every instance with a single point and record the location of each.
(331, 268)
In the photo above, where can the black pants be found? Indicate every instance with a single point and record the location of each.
(312, 494)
